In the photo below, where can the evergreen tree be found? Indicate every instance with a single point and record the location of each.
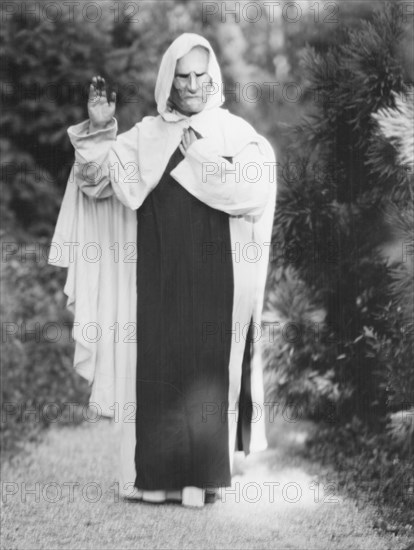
(340, 177)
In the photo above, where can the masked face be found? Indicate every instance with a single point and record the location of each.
(190, 78)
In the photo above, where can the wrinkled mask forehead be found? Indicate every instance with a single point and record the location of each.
(197, 60)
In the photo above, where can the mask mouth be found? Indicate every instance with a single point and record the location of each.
(197, 97)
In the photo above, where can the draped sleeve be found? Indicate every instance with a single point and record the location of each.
(241, 187)
(107, 164)
(91, 167)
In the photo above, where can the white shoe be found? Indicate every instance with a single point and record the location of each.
(193, 496)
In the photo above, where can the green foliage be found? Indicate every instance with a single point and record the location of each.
(38, 380)
(373, 468)
(296, 348)
(330, 222)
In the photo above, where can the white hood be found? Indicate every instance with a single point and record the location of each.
(180, 47)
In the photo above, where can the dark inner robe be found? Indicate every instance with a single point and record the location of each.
(184, 318)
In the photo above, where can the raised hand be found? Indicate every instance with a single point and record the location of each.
(100, 108)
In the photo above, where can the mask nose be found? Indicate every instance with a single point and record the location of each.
(192, 84)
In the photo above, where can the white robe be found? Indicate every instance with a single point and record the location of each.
(111, 177)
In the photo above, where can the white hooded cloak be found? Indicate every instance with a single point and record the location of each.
(96, 238)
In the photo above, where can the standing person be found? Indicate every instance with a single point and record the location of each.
(193, 190)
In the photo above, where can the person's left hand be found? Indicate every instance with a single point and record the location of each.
(189, 137)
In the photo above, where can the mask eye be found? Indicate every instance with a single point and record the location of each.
(183, 76)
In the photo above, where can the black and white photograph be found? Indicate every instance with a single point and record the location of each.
(207, 274)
